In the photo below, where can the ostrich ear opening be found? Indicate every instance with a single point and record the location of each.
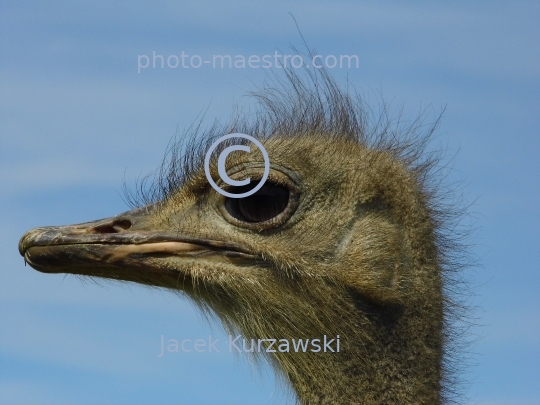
(377, 260)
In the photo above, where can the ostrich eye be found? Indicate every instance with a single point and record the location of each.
(267, 203)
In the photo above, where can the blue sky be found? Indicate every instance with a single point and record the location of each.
(76, 116)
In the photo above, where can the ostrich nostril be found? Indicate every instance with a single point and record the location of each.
(116, 226)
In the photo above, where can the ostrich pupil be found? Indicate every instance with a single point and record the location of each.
(268, 202)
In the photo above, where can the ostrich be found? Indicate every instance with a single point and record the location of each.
(348, 238)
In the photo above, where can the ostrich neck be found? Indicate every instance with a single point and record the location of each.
(389, 356)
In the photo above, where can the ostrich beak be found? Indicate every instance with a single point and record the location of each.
(124, 247)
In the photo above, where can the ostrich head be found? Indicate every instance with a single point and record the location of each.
(345, 238)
